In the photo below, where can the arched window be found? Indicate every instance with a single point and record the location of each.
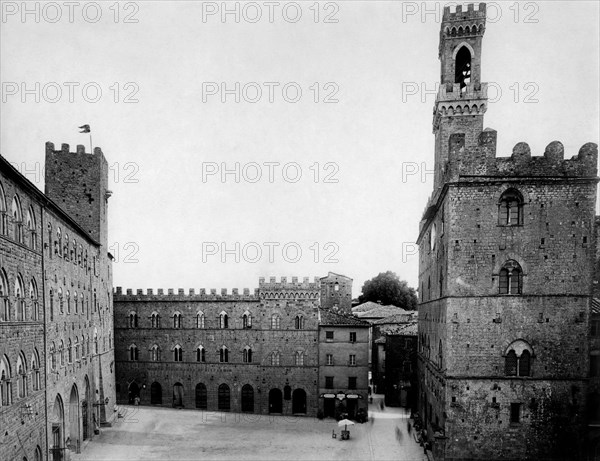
(247, 355)
(247, 320)
(69, 352)
(275, 358)
(511, 279)
(299, 358)
(462, 69)
(155, 353)
(82, 304)
(31, 229)
(133, 353)
(65, 249)
(68, 297)
(5, 382)
(21, 376)
(178, 353)
(75, 300)
(20, 295)
(200, 319)
(4, 301)
(176, 320)
(61, 302)
(133, 320)
(83, 344)
(275, 322)
(299, 322)
(3, 213)
(440, 354)
(223, 320)
(223, 354)
(76, 346)
(336, 286)
(58, 242)
(52, 356)
(510, 208)
(200, 354)
(38, 454)
(517, 359)
(155, 320)
(17, 217)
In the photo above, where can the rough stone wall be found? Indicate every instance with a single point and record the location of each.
(282, 299)
(332, 298)
(78, 266)
(22, 423)
(465, 324)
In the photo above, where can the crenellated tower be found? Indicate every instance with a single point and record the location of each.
(78, 183)
(507, 248)
(462, 98)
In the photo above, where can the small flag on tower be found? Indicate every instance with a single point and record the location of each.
(85, 129)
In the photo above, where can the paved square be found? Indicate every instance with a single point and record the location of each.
(160, 433)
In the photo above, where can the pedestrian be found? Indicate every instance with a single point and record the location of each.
(381, 404)
(409, 427)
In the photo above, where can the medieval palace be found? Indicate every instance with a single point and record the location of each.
(508, 326)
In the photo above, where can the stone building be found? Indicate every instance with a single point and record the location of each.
(401, 380)
(336, 292)
(56, 355)
(343, 364)
(507, 249)
(394, 362)
(243, 352)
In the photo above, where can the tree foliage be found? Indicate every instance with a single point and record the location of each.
(389, 289)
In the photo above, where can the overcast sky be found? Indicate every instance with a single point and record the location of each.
(363, 155)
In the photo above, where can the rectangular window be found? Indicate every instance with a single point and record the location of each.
(328, 382)
(329, 336)
(594, 366)
(595, 327)
(352, 360)
(329, 359)
(515, 412)
(352, 382)
(352, 336)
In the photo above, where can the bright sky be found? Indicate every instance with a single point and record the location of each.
(172, 213)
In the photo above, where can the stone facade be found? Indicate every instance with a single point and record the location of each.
(336, 292)
(343, 364)
(507, 249)
(251, 352)
(66, 348)
(261, 359)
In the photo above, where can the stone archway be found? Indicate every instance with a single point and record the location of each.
(275, 401)
(178, 395)
(74, 420)
(85, 410)
(156, 393)
(299, 401)
(134, 392)
(247, 399)
(224, 397)
(58, 430)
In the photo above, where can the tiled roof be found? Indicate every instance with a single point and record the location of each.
(328, 317)
(595, 306)
(380, 312)
(369, 305)
(404, 317)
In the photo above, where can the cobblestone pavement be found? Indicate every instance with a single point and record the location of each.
(147, 433)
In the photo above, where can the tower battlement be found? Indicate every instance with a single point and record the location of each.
(285, 284)
(66, 149)
(458, 13)
(179, 295)
(481, 160)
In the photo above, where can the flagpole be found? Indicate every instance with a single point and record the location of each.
(91, 147)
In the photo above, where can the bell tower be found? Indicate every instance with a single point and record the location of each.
(462, 98)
